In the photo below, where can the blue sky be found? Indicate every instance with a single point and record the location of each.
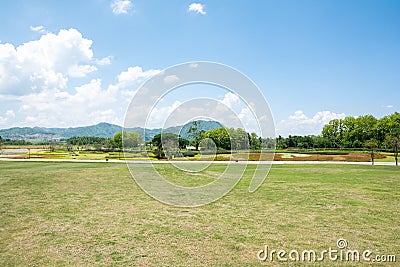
(74, 63)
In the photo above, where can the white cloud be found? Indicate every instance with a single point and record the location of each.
(389, 106)
(44, 64)
(301, 124)
(230, 111)
(39, 29)
(88, 104)
(36, 77)
(10, 113)
(134, 75)
(159, 115)
(249, 121)
(198, 8)
(104, 61)
(171, 79)
(230, 99)
(8, 116)
(80, 70)
(56, 108)
(121, 6)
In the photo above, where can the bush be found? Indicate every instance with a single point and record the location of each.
(189, 154)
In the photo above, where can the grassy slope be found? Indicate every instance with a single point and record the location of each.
(95, 214)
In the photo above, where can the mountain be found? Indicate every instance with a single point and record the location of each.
(201, 126)
(40, 133)
(180, 130)
(101, 130)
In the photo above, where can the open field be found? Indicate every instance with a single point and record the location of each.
(63, 213)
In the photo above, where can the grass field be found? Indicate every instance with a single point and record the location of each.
(58, 214)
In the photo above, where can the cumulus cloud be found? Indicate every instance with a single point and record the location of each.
(249, 121)
(54, 107)
(86, 104)
(80, 70)
(36, 78)
(46, 63)
(231, 111)
(121, 6)
(230, 100)
(198, 8)
(129, 80)
(9, 115)
(159, 115)
(104, 61)
(171, 79)
(134, 75)
(300, 124)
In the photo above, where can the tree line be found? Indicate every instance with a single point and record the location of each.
(362, 132)
(117, 142)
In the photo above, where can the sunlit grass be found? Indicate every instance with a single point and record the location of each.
(61, 214)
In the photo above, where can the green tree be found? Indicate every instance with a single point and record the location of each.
(365, 128)
(371, 146)
(183, 142)
(392, 142)
(131, 140)
(168, 144)
(349, 139)
(281, 142)
(239, 139)
(333, 133)
(195, 133)
(387, 125)
(255, 142)
(117, 140)
(221, 138)
(268, 143)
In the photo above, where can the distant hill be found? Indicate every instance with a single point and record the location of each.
(101, 130)
(41, 133)
(181, 130)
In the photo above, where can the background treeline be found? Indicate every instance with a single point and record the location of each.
(130, 140)
(348, 133)
(352, 132)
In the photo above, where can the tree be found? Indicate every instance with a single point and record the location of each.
(268, 143)
(371, 146)
(349, 139)
(221, 138)
(239, 139)
(1, 145)
(117, 140)
(392, 142)
(131, 140)
(365, 128)
(195, 133)
(167, 144)
(281, 142)
(387, 125)
(255, 142)
(183, 142)
(333, 132)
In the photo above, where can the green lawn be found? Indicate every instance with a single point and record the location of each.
(83, 214)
